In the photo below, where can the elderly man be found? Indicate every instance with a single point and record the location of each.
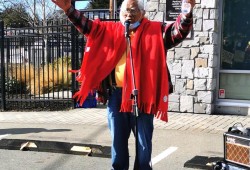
(107, 52)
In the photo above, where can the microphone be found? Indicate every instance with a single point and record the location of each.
(126, 24)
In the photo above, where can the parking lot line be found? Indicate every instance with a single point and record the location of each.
(3, 136)
(163, 155)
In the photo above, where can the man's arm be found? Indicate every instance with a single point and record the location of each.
(177, 31)
(82, 24)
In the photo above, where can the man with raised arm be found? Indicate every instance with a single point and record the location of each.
(107, 51)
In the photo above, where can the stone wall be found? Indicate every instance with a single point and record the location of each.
(193, 63)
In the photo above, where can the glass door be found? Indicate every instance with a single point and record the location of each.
(234, 82)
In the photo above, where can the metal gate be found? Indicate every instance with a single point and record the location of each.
(35, 64)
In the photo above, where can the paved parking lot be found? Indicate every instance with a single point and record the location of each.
(183, 138)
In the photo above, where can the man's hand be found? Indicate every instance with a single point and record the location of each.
(192, 3)
(63, 4)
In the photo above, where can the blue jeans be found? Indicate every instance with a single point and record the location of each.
(120, 125)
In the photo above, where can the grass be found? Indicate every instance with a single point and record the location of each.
(47, 78)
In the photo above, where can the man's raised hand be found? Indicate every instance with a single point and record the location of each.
(63, 4)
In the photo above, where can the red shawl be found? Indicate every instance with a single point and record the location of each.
(105, 45)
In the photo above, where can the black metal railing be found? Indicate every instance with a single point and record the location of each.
(35, 64)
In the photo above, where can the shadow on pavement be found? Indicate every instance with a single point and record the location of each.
(29, 130)
(202, 162)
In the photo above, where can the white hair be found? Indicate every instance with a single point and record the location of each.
(123, 7)
(140, 4)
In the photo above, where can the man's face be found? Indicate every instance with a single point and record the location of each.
(130, 11)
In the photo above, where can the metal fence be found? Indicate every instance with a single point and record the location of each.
(35, 64)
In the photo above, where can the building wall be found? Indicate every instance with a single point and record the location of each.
(193, 64)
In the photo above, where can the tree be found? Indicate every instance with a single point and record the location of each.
(14, 16)
(38, 10)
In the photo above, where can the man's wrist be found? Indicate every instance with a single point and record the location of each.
(69, 10)
(187, 19)
(188, 15)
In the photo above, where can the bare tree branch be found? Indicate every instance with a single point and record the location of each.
(39, 10)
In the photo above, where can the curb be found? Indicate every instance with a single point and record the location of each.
(56, 147)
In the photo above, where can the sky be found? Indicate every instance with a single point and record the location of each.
(81, 4)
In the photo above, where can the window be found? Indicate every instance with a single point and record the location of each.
(236, 35)
(235, 50)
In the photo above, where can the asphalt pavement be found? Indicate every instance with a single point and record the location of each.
(85, 132)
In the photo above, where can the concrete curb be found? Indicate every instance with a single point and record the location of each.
(56, 147)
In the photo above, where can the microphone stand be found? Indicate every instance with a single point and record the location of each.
(134, 96)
